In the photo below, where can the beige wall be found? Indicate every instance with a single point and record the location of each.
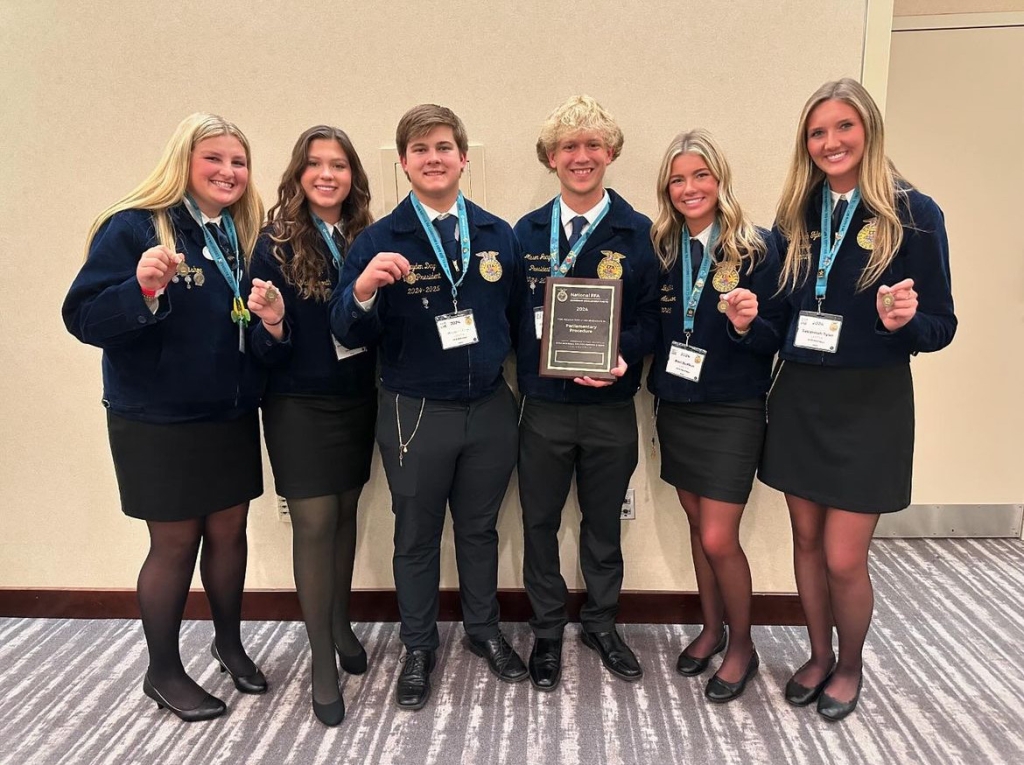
(91, 94)
(938, 7)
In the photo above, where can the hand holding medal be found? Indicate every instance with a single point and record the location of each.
(265, 301)
(384, 269)
(896, 305)
(157, 266)
(740, 308)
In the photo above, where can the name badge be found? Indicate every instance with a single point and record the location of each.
(342, 352)
(538, 321)
(457, 329)
(686, 361)
(818, 331)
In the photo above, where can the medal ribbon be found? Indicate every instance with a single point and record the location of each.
(239, 313)
(826, 258)
(563, 268)
(694, 289)
(325, 232)
(435, 242)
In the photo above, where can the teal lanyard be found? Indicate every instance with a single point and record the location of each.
(691, 288)
(239, 313)
(325, 232)
(435, 242)
(830, 249)
(561, 269)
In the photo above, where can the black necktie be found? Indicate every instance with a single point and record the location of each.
(837, 215)
(445, 225)
(339, 241)
(696, 255)
(224, 243)
(577, 230)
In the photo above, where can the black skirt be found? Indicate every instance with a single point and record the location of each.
(711, 449)
(842, 437)
(319, 445)
(181, 471)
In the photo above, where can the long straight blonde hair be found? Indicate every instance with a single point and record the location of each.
(739, 239)
(165, 187)
(880, 186)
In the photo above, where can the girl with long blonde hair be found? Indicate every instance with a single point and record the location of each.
(161, 292)
(865, 274)
(710, 374)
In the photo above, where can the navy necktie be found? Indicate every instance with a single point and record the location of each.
(224, 243)
(696, 255)
(339, 241)
(837, 215)
(577, 230)
(445, 225)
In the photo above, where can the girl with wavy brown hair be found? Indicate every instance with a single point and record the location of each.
(320, 405)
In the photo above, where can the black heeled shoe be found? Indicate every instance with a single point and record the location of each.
(720, 691)
(254, 683)
(354, 664)
(834, 710)
(800, 695)
(690, 666)
(207, 709)
(330, 714)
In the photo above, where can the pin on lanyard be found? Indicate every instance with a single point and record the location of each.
(435, 242)
(563, 268)
(325, 232)
(827, 257)
(691, 288)
(239, 313)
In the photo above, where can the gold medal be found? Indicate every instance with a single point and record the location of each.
(490, 268)
(866, 236)
(888, 300)
(610, 267)
(726, 279)
(182, 269)
(410, 278)
(271, 294)
(722, 306)
(199, 278)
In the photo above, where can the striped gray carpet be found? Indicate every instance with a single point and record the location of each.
(943, 684)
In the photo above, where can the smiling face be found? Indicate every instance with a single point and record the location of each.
(835, 142)
(218, 173)
(327, 179)
(580, 160)
(693, 191)
(434, 165)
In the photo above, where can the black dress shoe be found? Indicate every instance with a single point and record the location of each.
(254, 683)
(501, 657)
(834, 710)
(546, 663)
(692, 666)
(330, 714)
(800, 695)
(207, 709)
(615, 654)
(413, 688)
(720, 691)
(354, 664)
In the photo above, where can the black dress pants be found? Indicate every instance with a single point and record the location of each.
(599, 443)
(461, 457)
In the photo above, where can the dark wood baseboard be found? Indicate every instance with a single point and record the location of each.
(381, 606)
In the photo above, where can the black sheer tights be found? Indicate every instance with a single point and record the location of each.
(163, 588)
(323, 552)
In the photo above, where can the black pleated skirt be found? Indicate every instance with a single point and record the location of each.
(711, 449)
(319, 445)
(181, 471)
(842, 437)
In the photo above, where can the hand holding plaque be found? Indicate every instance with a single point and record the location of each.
(580, 331)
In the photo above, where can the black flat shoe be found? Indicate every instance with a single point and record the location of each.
(207, 709)
(413, 689)
(720, 691)
(833, 710)
(690, 666)
(546, 663)
(616, 656)
(354, 664)
(254, 683)
(330, 714)
(800, 695)
(501, 657)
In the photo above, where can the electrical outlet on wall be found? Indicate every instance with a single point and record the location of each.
(284, 514)
(629, 506)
